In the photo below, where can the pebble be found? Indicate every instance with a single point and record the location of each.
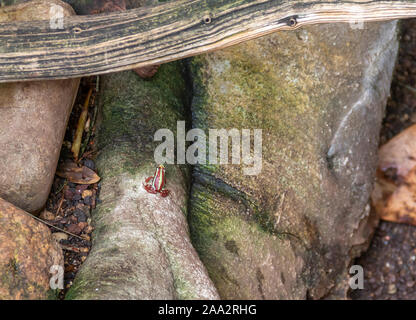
(58, 236)
(392, 289)
(47, 215)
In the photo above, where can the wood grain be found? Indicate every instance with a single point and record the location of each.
(106, 43)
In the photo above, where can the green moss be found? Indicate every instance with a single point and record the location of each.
(132, 110)
(250, 87)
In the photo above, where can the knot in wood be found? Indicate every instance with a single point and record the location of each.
(207, 19)
(292, 22)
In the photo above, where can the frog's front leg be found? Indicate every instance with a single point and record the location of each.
(148, 186)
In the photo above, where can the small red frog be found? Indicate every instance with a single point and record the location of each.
(156, 184)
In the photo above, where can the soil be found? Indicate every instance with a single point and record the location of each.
(69, 204)
(390, 263)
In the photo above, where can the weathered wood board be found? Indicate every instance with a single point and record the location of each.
(97, 44)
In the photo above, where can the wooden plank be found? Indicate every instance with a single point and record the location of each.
(98, 44)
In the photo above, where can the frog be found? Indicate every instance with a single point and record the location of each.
(157, 183)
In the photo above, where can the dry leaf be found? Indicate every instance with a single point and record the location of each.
(400, 206)
(399, 154)
(80, 175)
(394, 194)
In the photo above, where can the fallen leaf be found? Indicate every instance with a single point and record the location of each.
(394, 194)
(88, 229)
(82, 225)
(80, 175)
(401, 204)
(74, 228)
(399, 154)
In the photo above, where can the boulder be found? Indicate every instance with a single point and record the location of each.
(141, 247)
(291, 230)
(33, 119)
(27, 254)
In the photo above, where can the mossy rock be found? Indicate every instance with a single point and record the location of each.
(318, 94)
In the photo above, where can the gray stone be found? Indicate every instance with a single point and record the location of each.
(33, 119)
(318, 94)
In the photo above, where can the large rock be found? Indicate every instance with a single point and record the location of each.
(27, 253)
(141, 247)
(318, 94)
(33, 119)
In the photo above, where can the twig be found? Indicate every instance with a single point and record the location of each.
(61, 187)
(60, 204)
(51, 225)
(92, 124)
(73, 249)
(69, 248)
(80, 126)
